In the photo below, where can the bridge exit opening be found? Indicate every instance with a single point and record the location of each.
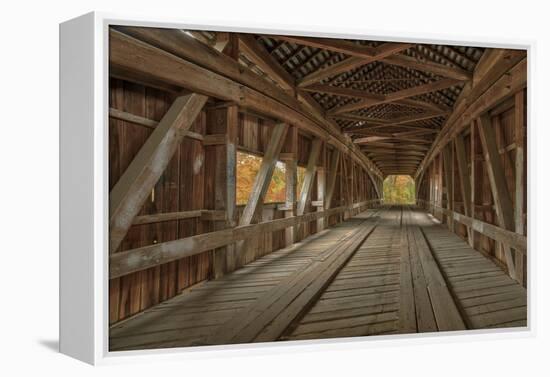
(399, 189)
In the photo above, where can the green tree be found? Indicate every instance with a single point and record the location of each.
(399, 189)
(248, 166)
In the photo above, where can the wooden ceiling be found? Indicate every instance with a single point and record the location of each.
(390, 98)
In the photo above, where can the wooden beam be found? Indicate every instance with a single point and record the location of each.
(201, 69)
(131, 118)
(169, 216)
(333, 172)
(135, 185)
(515, 240)
(352, 63)
(359, 118)
(309, 176)
(145, 122)
(395, 161)
(355, 93)
(369, 139)
(396, 96)
(519, 136)
(220, 181)
(399, 121)
(465, 187)
(447, 174)
(413, 133)
(422, 105)
(263, 177)
(499, 74)
(473, 192)
(426, 66)
(331, 44)
(396, 146)
(390, 138)
(343, 92)
(497, 180)
(417, 118)
(270, 63)
(495, 171)
(259, 56)
(321, 187)
(126, 262)
(214, 139)
(352, 182)
(396, 164)
(291, 181)
(385, 152)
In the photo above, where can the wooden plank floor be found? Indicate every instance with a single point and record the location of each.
(486, 296)
(363, 299)
(384, 271)
(200, 313)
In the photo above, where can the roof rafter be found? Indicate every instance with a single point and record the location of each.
(355, 93)
(352, 63)
(426, 66)
(336, 45)
(396, 96)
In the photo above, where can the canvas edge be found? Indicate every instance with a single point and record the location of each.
(76, 188)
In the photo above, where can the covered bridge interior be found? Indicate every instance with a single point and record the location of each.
(328, 257)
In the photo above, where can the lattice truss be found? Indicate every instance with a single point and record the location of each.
(391, 98)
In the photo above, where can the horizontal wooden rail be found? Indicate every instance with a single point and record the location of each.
(514, 240)
(145, 122)
(171, 216)
(126, 262)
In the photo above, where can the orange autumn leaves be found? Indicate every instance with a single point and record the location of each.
(248, 166)
(399, 189)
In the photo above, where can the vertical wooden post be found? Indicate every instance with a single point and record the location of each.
(452, 146)
(321, 187)
(309, 177)
(255, 202)
(519, 131)
(341, 186)
(473, 161)
(223, 159)
(464, 179)
(441, 188)
(497, 180)
(291, 169)
(352, 182)
(447, 171)
(433, 181)
(347, 191)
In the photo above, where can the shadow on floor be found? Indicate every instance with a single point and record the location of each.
(50, 344)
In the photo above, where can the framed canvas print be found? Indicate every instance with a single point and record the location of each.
(227, 188)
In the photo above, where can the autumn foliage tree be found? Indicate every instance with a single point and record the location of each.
(399, 189)
(248, 166)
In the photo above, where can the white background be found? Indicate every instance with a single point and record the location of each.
(29, 184)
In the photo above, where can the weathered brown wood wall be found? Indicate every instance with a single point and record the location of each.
(179, 189)
(189, 184)
(504, 118)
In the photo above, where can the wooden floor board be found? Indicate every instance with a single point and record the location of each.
(406, 274)
(484, 292)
